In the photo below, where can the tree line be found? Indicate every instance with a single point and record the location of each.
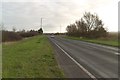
(18, 35)
(89, 26)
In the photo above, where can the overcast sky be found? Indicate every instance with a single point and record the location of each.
(26, 14)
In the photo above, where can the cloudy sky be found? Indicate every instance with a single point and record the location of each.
(26, 14)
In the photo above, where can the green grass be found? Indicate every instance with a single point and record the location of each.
(109, 42)
(30, 58)
(0, 60)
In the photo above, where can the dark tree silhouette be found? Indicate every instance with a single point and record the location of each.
(40, 31)
(82, 29)
(94, 25)
(72, 30)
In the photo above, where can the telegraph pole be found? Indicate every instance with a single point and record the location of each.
(41, 30)
(60, 28)
(41, 22)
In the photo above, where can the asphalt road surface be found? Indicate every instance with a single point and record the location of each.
(83, 59)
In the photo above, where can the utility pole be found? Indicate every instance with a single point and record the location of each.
(40, 30)
(60, 29)
(41, 22)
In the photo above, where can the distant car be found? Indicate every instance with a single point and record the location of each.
(52, 36)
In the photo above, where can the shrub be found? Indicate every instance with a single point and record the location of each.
(10, 36)
(28, 34)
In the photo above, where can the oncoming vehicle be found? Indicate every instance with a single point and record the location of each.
(52, 36)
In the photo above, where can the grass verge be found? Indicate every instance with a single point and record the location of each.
(110, 42)
(30, 58)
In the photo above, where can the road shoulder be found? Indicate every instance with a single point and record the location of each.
(70, 69)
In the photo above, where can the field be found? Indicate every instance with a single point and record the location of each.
(30, 58)
(111, 40)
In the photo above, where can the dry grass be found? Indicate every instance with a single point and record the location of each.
(113, 35)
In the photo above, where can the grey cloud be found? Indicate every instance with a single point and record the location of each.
(30, 13)
(54, 12)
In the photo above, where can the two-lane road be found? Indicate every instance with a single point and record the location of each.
(100, 61)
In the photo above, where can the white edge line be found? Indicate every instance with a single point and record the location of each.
(117, 53)
(86, 71)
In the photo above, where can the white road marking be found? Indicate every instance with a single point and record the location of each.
(117, 53)
(86, 71)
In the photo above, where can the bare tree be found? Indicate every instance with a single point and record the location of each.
(72, 30)
(92, 21)
(14, 29)
(82, 29)
(89, 26)
(40, 31)
(2, 27)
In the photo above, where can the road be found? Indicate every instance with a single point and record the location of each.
(95, 60)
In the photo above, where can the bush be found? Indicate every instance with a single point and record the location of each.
(10, 36)
(14, 36)
(28, 34)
